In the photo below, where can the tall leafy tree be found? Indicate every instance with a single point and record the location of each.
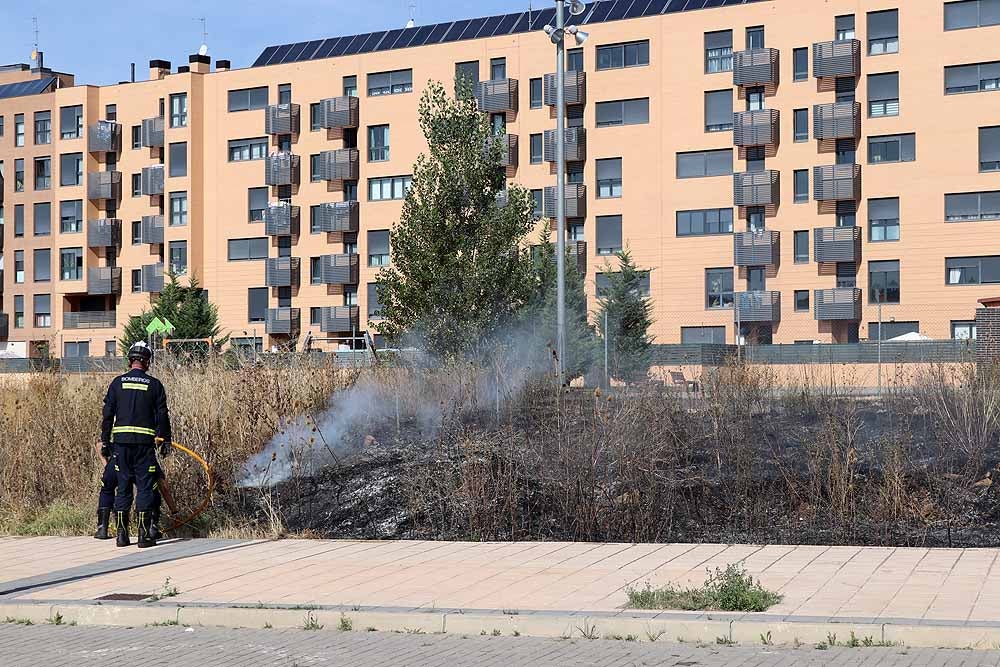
(629, 316)
(459, 271)
(186, 307)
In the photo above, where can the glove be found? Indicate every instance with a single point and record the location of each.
(163, 447)
(105, 450)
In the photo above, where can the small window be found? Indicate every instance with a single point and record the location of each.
(609, 234)
(883, 282)
(719, 110)
(137, 232)
(136, 185)
(574, 60)
(43, 310)
(703, 335)
(892, 148)
(350, 86)
(536, 199)
(241, 150)
(378, 248)
(178, 110)
(883, 94)
(248, 249)
(19, 311)
(618, 56)
(71, 169)
(18, 220)
(801, 183)
(19, 175)
(974, 78)
(705, 222)
(315, 117)
(136, 137)
(883, 32)
(178, 209)
(535, 148)
(963, 329)
(257, 298)
(699, 164)
(801, 300)
(374, 307)
(623, 112)
(178, 159)
(972, 206)
(609, 178)
(755, 37)
(719, 51)
(71, 264)
(883, 219)
(42, 222)
(390, 187)
(257, 200)
(498, 69)
(844, 27)
(246, 99)
(801, 241)
(71, 216)
(284, 93)
(18, 267)
(43, 173)
(71, 122)
(971, 14)
(800, 64)
(719, 288)
(989, 148)
(19, 129)
(136, 280)
(177, 255)
(43, 127)
(800, 120)
(535, 91)
(378, 143)
(390, 83)
(41, 265)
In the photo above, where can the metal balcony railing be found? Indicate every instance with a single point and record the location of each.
(340, 269)
(281, 272)
(837, 244)
(756, 128)
(756, 248)
(104, 185)
(283, 321)
(151, 230)
(104, 233)
(341, 216)
(837, 120)
(574, 88)
(497, 96)
(96, 319)
(281, 168)
(339, 319)
(576, 201)
(839, 182)
(762, 306)
(342, 164)
(576, 251)
(151, 134)
(282, 119)
(509, 156)
(339, 112)
(152, 278)
(757, 188)
(104, 136)
(841, 303)
(837, 58)
(575, 144)
(755, 67)
(281, 219)
(151, 182)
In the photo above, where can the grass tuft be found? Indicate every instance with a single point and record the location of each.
(731, 589)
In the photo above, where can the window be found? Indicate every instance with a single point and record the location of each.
(350, 296)
(498, 68)
(963, 329)
(719, 51)
(178, 159)
(574, 60)
(883, 219)
(315, 270)
(978, 77)
(315, 316)
(378, 143)
(18, 266)
(247, 249)
(800, 121)
(800, 64)
(390, 83)
(41, 265)
(892, 148)
(883, 94)
(972, 270)
(43, 127)
(718, 288)
(75, 350)
(801, 300)
(351, 86)
(18, 220)
(71, 264)
(844, 26)
(703, 335)
(137, 232)
(42, 219)
(801, 183)
(19, 311)
(574, 232)
(378, 247)
(257, 204)
(705, 222)
(178, 256)
(71, 122)
(315, 168)
(178, 209)
(989, 148)
(755, 37)
(705, 163)
(609, 178)
(847, 214)
(801, 242)
(971, 14)
(136, 185)
(1, 126)
(246, 99)
(136, 137)
(136, 281)
(315, 117)
(374, 307)
(719, 110)
(883, 282)
(390, 187)
(71, 216)
(43, 173)
(19, 175)
(623, 112)
(257, 304)
(609, 234)
(536, 198)
(971, 206)
(19, 129)
(883, 32)
(284, 93)
(535, 148)
(617, 56)
(535, 93)
(179, 110)
(466, 77)
(43, 310)
(241, 150)
(71, 169)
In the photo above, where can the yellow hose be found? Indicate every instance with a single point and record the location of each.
(208, 495)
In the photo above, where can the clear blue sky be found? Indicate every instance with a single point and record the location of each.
(97, 40)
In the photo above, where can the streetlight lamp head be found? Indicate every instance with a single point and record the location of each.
(576, 7)
(580, 36)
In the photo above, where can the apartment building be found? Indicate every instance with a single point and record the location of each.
(790, 170)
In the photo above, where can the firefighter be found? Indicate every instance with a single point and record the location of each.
(106, 499)
(135, 421)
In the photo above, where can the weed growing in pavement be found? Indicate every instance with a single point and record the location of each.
(345, 624)
(311, 623)
(413, 631)
(162, 624)
(17, 621)
(57, 619)
(268, 626)
(371, 629)
(724, 641)
(765, 639)
(654, 636)
(168, 590)
(731, 589)
(588, 631)
(516, 633)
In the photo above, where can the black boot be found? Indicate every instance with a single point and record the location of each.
(103, 518)
(121, 526)
(154, 525)
(145, 539)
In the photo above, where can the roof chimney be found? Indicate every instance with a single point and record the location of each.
(158, 69)
(200, 64)
(183, 69)
(222, 65)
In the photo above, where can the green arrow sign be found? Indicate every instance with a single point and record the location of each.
(167, 326)
(156, 325)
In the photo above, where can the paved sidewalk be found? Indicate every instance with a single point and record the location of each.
(873, 592)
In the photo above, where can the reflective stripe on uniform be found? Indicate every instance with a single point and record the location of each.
(152, 468)
(133, 385)
(141, 430)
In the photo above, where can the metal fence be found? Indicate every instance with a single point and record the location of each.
(947, 351)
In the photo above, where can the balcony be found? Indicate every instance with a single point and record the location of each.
(837, 58)
(151, 230)
(339, 269)
(152, 278)
(151, 134)
(837, 244)
(497, 96)
(341, 216)
(341, 164)
(151, 182)
(96, 319)
(576, 251)
(281, 272)
(281, 168)
(841, 303)
(575, 144)
(756, 188)
(574, 89)
(337, 113)
(104, 233)
(281, 219)
(839, 182)
(4, 326)
(839, 120)
(575, 201)
(756, 128)
(104, 136)
(282, 119)
(339, 319)
(283, 321)
(756, 248)
(757, 307)
(755, 67)
(104, 185)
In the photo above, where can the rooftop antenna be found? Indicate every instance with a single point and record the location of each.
(411, 22)
(34, 50)
(203, 49)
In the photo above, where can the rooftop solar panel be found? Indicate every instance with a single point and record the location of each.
(473, 28)
(309, 52)
(423, 33)
(507, 24)
(264, 56)
(21, 88)
(600, 12)
(407, 37)
(489, 26)
(326, 47)
(656, 7)
(618, 11)
(637, 9)
(455, 31)
(695, 4)
(675, 6)
(279, 55)
(371, 44)
(343, 45)
(389, 40)
(293, 53)
(438, 33)
(355, 45)
(542, 18)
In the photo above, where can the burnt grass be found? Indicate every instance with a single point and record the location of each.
(648, 466)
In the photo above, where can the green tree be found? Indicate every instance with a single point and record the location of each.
(459, 271)
(629, 316)
(186, 306)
